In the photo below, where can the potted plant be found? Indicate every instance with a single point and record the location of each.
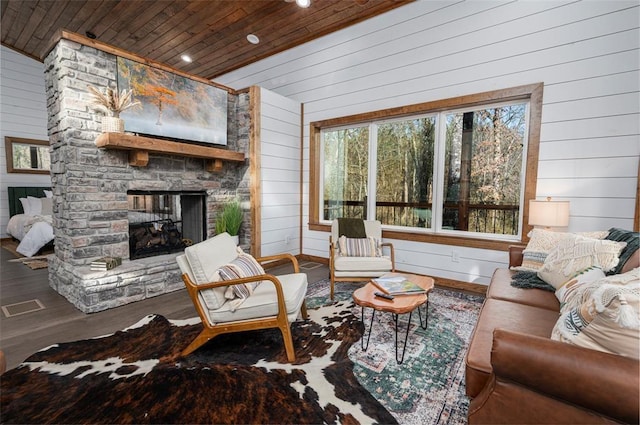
(230, 220)
(112, 103)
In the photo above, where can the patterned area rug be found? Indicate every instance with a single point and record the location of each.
(137, 376)
(428, 387)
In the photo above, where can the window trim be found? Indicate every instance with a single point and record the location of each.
(531, 92)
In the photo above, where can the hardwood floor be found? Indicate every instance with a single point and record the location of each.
(60, 321)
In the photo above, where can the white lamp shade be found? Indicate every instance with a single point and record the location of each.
(549, 213)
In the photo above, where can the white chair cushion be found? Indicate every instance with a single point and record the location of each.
(205, 258)
(360, 264)
(264, 303)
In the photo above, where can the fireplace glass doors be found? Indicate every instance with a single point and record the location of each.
(164, 222)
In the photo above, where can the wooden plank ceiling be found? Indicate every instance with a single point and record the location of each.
(212, 32)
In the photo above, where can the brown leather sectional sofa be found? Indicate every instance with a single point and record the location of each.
(516, 374)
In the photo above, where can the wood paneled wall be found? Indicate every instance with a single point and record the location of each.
(24, 114)
(280, 165)
(587, 54)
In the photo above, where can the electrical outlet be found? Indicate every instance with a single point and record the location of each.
(287, 239)
(455, 257)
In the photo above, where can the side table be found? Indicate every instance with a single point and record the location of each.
(401, 304)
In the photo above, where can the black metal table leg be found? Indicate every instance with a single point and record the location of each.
(426, 315)
(364, 347)
(406, 338)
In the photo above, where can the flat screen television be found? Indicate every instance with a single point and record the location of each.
(172, 106)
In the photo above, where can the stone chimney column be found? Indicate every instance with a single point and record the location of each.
(90, 207)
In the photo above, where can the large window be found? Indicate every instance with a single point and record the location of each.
(454, 170)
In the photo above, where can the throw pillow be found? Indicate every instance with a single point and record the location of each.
(205, 259)
(243, 266)
(47, 206)
(26, 207)
(359, 247)
(35, 205)
(48, 193)
(542, 242)
(578, 253)
(607, 319)
(633, 243)
(568, 289)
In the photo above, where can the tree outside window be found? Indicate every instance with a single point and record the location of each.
(346, 162)
(404, 178)
(475, 185)
(484, 169)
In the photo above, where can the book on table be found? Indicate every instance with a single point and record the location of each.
(397, 285)
(106, 263)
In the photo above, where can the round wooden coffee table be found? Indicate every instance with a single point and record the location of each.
(401, 304)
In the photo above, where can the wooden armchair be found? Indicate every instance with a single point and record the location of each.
(275, 302)
(349, 268)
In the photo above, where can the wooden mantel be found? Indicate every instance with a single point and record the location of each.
(139, 148)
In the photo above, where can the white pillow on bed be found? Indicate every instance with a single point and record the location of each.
(26, 206)
(47, 206)
(48, 193)
(35, 205)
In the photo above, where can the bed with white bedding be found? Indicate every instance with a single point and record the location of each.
(31, 221)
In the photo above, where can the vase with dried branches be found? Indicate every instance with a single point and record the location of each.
(112, 104)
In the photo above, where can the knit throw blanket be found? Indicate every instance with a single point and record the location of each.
(351, 227)
(528, 280)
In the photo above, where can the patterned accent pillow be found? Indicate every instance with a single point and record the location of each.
(243, 266)
(359, 247)
(575, 254)
(604, 315)
(569, 288)
(542, 242)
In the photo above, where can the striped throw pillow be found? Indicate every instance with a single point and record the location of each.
(359, 247)
(243, 266)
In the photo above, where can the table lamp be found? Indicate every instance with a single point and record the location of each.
(548, 213)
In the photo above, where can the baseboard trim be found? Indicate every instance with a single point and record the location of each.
(313, 258)
(457, 285)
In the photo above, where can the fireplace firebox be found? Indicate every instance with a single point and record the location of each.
(162, 222)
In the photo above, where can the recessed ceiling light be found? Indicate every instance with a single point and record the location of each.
(303, 3)
(253, 39)
(186, 58)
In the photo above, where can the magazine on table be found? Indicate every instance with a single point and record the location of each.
(397, 285)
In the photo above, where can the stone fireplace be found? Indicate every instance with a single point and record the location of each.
(96, 190)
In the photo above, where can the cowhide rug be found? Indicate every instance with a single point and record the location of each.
(137, 376)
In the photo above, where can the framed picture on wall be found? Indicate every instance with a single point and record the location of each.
(27, 156)
(173, 106)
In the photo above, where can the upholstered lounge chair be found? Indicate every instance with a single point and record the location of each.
(344, 268)
(275, 302)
